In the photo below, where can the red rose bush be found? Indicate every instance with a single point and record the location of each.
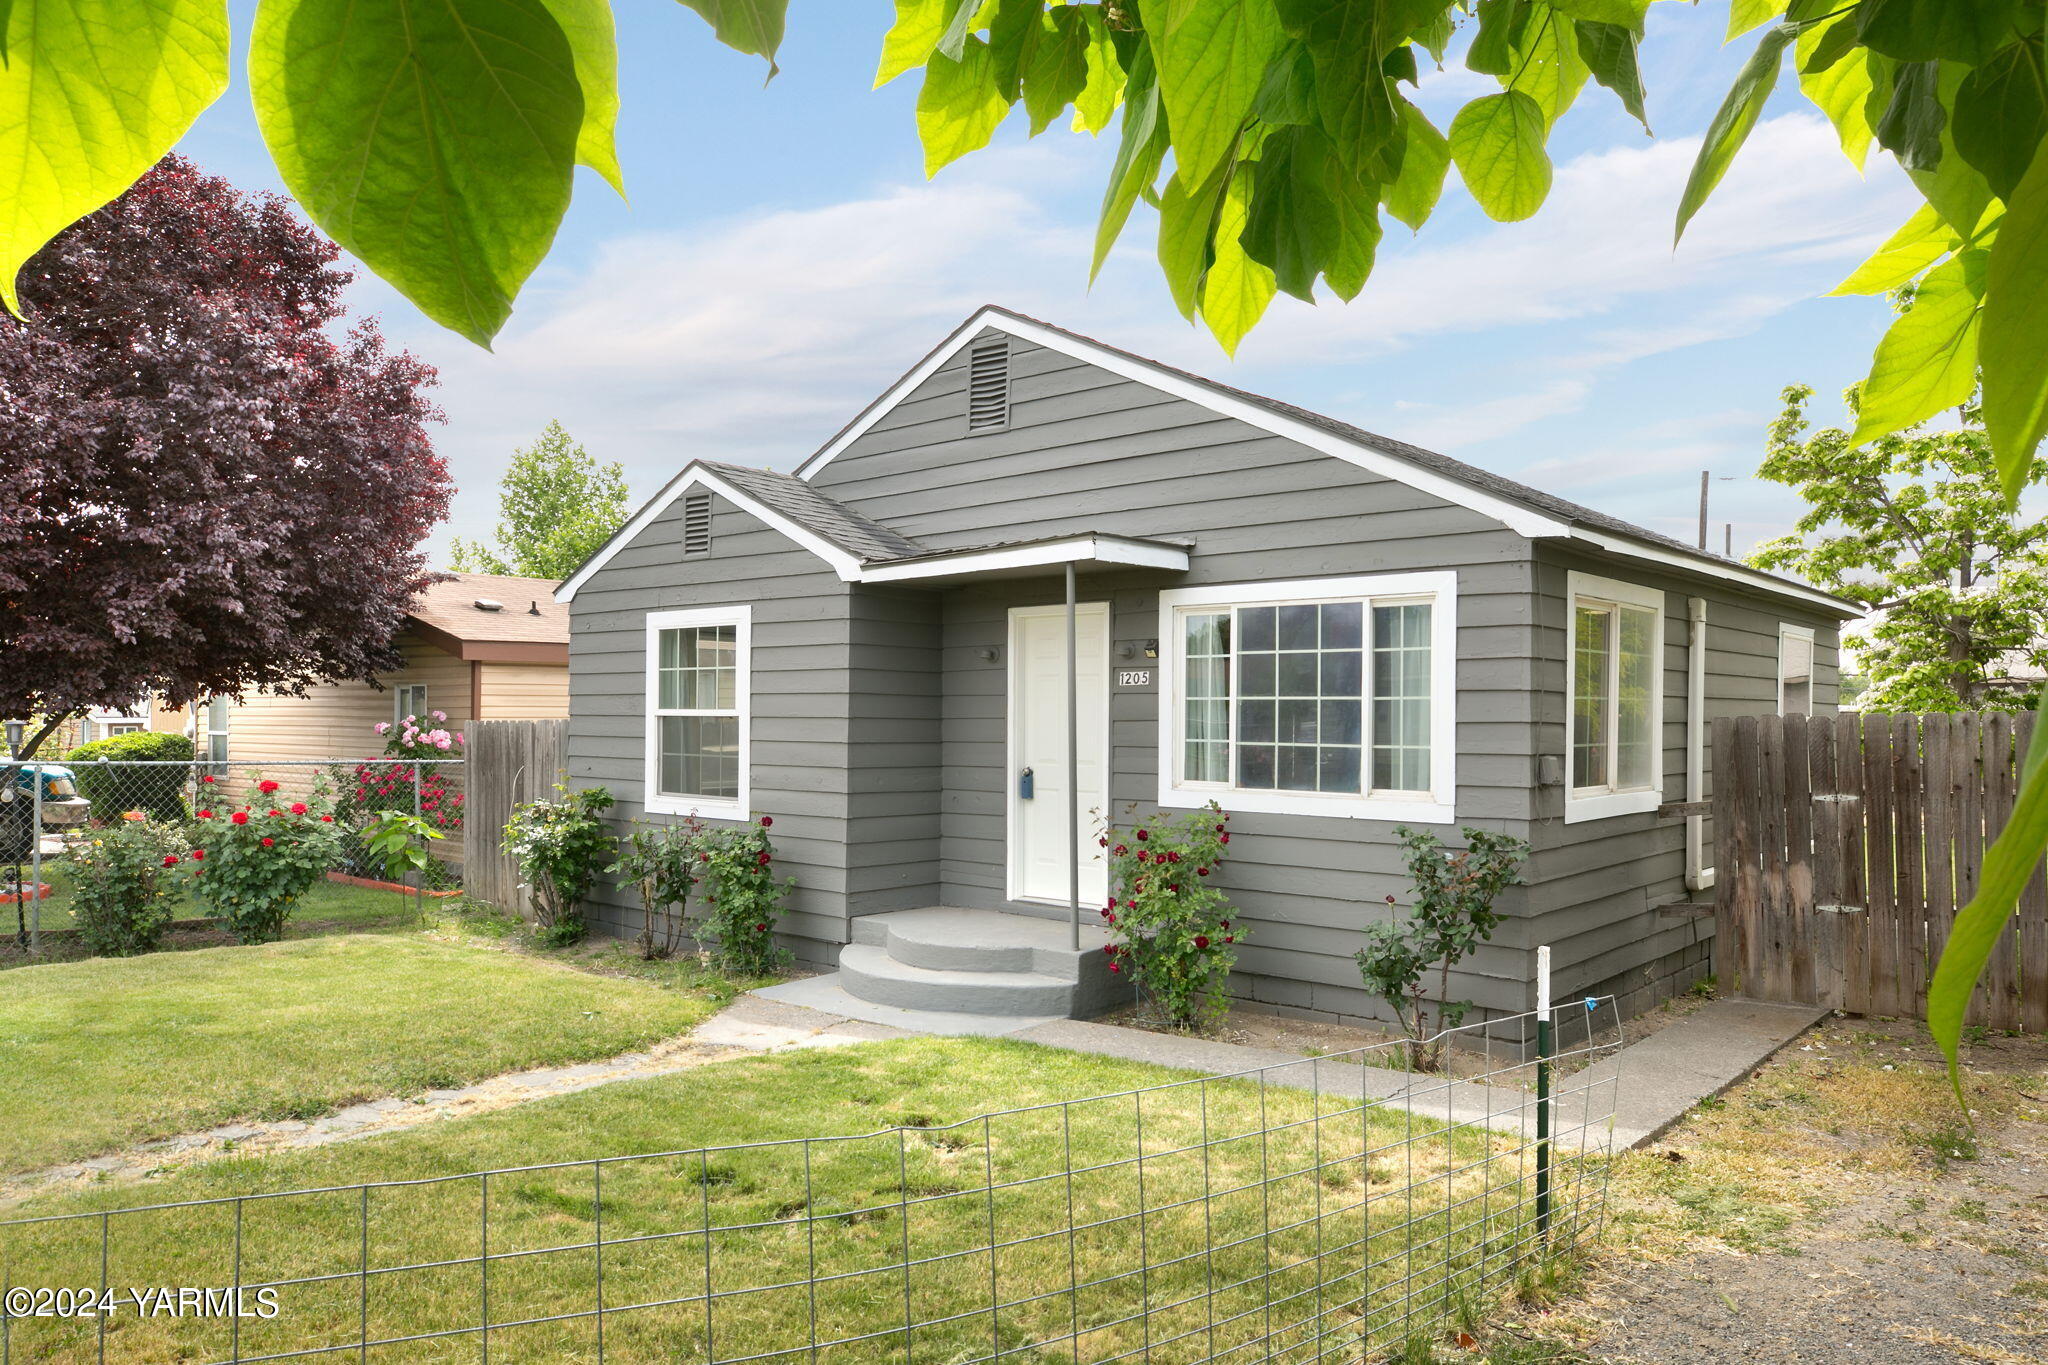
(1172, 930)
(260, 861)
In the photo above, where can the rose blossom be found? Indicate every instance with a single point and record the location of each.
(240, 817)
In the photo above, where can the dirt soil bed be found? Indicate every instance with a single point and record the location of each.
(1832, 1208)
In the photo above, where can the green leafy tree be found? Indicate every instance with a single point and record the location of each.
(557, 506)
(1915, 526)
(438, 145)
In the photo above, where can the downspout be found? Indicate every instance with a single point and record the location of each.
(1073, 763)
(1698, 876)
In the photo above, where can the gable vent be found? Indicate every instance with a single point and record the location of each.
(697, 524)
(988, 386)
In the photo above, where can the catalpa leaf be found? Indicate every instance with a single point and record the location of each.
(1057, 70)
(588, 26)
(2001, 115)
(2013, 860)
(1925, 239)
(959, 107)
(1187, 222)
(910, 41)
(752, 26)
(1744, 15)
(1138, 157)
(1290, 227)
(1211, 63)
(1096, 105)
(1548, 67)
(1628, 14)
(1609, 52)
(1237, 288)
(1840, 88)
(1927, 360)
(2016, 332)
(93, 93)
(1733, 120)
(1497, 143)
(1425, 158)
(434, 139)
(1929, 30)
(1911, 126)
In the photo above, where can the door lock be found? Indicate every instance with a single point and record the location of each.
(1024, 785)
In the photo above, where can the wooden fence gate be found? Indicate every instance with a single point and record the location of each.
(509, 761)
(1844, 845)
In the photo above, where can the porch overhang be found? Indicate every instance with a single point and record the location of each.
(1024, 559)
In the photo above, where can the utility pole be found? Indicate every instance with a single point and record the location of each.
(1705, 475)
(1728, 539)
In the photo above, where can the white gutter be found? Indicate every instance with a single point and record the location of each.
(1698, 876)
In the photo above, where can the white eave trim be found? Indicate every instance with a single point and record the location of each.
(1732, 573)
(1091, 549)
(697, 476)
(1514, 516)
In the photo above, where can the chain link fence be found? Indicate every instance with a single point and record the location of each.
(48, 807)
(1321, 1210)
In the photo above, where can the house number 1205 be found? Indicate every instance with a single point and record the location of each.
(1134, 677)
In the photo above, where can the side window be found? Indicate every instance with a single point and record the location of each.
(408, 700)
(1615, 694)
(1795, 670)
(697, 699)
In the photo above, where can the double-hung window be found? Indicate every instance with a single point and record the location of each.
(1329, 696)
(408, 702)
(697, 711)
(1615, 698)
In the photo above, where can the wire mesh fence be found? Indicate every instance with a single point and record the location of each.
(48, 808)
(1314, 1211)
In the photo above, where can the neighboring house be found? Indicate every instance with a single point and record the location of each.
(1329, 633)
(477, 647)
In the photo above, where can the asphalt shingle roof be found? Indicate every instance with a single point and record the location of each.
(860, 536)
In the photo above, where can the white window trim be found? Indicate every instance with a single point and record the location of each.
(1603, 805)
(741, 618)
(1787, 629)
(1438, 806)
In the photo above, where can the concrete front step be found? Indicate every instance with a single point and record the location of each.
(984, 962)
(871, 974)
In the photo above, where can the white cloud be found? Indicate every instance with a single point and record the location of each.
(1443, 427)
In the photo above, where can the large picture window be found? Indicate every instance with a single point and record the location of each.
(697, 712)
(1327, 696)
(1615, 698)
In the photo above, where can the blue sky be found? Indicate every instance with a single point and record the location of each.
(782, 259)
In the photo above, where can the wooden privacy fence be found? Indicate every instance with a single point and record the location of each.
(1844, 845)
(509, 762)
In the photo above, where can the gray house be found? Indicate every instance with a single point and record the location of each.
(1327, 632)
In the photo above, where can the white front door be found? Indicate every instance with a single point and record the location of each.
(1041, 846)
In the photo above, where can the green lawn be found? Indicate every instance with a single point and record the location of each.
(105, 1053)
(1224, 1255)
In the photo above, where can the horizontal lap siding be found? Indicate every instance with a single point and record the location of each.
(1089, 451)
(1595, 884)
(894, 753)
(803, 643)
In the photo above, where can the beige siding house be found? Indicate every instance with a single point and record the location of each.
(477, 647)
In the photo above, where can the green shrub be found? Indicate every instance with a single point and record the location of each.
(560, 846)
(122, 886)
(157, 792)
(256, 861)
